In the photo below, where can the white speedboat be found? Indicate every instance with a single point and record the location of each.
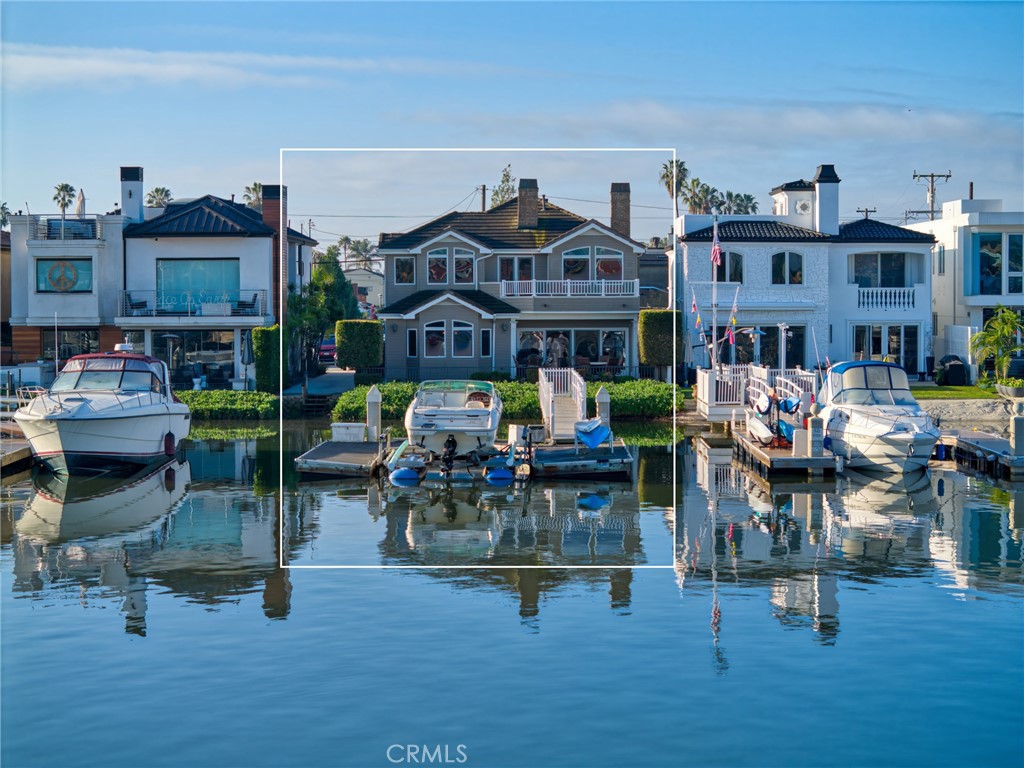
(464, 410)
(872, 420)
(103, 410)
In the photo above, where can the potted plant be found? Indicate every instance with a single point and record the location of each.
(1010, 388)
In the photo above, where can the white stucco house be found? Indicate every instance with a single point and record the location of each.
(978, 264)
(844, 291)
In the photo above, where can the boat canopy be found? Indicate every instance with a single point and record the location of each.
(457, 385)
(867, 383)
(109, 372)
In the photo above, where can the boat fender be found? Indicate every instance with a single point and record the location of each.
(169, 444)
(170, 479)
(405, 477)
(827, 443)
(940, 453)
(762, 404)
(500, 477)
(940, 486)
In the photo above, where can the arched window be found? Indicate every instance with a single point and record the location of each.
(437, 266)
(463, 266)
(730, 270)
(787, 268)
(608, 263)
(434, 339)
(576, 264)
(462, 339)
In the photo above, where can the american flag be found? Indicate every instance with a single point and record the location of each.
(716, 249)
(693, 306)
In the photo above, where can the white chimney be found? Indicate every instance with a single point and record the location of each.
(826, 209)
(131, 192)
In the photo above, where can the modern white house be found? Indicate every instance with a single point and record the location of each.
(834, 291)
(183, 283)
(978, 265)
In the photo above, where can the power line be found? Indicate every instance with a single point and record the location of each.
(931, 190)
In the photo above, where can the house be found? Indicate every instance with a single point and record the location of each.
(368, 285)
(978, 264)
(832, 291)
(182, 283)
(5, 298)
(524, 284)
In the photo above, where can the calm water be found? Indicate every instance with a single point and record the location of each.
(862, 623)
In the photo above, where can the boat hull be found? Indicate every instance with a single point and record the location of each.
(468, 440)
(895, 452)
(68, 445)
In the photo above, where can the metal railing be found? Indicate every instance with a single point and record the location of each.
(554, 382)
(72, 227)
(54, 402)
(886, 298)
(246, 302)
(571, 288)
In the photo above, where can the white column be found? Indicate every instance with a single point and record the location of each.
(512, 342)
(634, 344)
(494, 341)
(147, 342)
(237, 342)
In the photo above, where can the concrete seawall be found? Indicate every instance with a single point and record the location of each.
(969, 410)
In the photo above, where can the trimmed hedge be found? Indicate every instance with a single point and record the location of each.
(266, 349)
(359, 343)
(630, 399)
(219, 404)
(655, 336)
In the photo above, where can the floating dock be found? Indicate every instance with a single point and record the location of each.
(773, 462)
(982, 452)
(339, 459)
(15, 456)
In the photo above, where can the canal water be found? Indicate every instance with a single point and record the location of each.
(147, 621)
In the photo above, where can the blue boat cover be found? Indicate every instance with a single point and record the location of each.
(593, 436)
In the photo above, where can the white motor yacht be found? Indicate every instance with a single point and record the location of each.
(103, 410)
(464, 410)
(872, 420)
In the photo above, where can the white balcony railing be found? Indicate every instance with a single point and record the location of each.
(886, 298)
(235, 303)
(571, 288)
(73, 227)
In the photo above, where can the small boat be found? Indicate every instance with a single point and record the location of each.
(464, 411)
(872, 420)
(103, 410)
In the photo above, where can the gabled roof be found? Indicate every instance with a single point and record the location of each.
(300, 237)
(592, 224)
(485, 302)
(207, 216)
(497, 228)
(800, 185)
(757, 231)
(874, 231)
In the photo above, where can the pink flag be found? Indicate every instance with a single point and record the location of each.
(693, 307)
(716, 249)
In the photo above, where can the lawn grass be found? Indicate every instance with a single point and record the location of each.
(952, 393)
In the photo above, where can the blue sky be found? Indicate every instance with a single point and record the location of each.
(203, 96)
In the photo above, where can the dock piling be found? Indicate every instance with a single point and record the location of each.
(373, 399)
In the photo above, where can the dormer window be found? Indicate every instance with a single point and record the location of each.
(608, 264)
(437, 266)
(576, 264)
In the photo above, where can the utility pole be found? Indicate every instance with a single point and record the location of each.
(483, 198)
(867, 211)
(931, 190)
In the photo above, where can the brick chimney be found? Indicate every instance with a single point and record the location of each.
(131, 193)
(528, 204)
(826, 209)
(275, 216)
(620, 208)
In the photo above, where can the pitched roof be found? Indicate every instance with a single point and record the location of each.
(207, 216)
(800, 185)
(301, 237)
(496, 228)
(484, 301)
(874, 231)
(758, 230)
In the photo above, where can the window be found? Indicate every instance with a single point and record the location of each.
(880, 270)
(608, 264)
(434, 339)
(515, 268)
(76, 341)
(731, 268)
(464, 266)
(787, 268)
(485, 342)
(990, 263)
(576, 264)
(411, 349)
(64, 275)
(462, 339)
(437, 266)
(405, 270)
(1015, 264)
(942, 259)
(181, 283)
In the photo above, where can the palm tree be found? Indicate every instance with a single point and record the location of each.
(732, 203)
(158, 197)
(5, 213)
(1000, 339)
(344, 241)
(253, 196)
(673, 177)
(64, 195)
(749, 203)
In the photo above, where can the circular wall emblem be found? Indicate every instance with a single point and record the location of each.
(62, 276)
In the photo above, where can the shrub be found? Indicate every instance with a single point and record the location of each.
(655, 336)
(491, 376)
(225, 404)
(266, 349)
(359, 343)
(635, 399)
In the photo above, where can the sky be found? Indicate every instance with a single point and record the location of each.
(204, 96)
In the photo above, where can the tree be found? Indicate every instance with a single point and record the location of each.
(323, 301)
(361, 253)
(673, 177)
(158, 197)
(344, 241)
(64, 195)
(999, 339)
(505, 190)
(5, 214)
(253, 196)
(749, 204)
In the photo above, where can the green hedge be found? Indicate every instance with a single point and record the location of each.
(266, 349)
(359, 343)
(655, 336)
(629, 399)
(227, 404)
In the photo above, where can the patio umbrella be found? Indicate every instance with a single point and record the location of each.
(247, 357)
(80, 203)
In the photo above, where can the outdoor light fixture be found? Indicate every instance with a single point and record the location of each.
(504, 327)
(394, 327)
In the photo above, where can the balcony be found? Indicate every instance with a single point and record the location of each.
(245, 303)
(887, 299)
(73, 227)
(570, 288)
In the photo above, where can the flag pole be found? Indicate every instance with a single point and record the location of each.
(714, 295)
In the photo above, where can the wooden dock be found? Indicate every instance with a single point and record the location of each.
(341, 459)
(567, 463)
(981, 452)
(15, 457)
(773, 462)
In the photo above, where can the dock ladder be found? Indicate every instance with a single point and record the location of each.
(563, 401)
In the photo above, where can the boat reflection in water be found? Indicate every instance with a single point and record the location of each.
(585, 524)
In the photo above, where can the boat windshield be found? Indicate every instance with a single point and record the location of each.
(457, 386)
(871, 385)
(110, 373)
